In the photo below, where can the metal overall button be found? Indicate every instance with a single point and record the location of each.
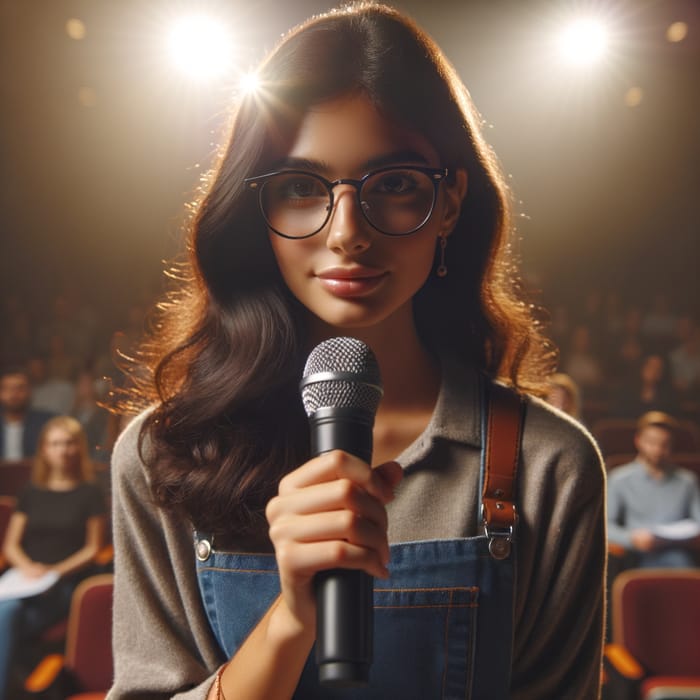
(203, 549)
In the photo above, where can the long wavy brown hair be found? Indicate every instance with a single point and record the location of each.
(225, 355)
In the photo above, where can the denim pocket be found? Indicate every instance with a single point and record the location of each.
(427, 637)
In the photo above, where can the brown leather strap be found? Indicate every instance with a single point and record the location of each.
(503, 433)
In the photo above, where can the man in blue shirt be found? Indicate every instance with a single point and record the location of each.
(653, 506)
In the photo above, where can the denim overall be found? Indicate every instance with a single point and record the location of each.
(443, 621)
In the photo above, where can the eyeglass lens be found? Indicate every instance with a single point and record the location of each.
(396, 201)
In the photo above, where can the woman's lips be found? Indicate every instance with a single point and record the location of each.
(350, 283)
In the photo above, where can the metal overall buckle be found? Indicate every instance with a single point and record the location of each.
(500, 541)
(500, 538)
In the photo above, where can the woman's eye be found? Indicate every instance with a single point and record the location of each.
(303, 187)
(300, 188)
(396, 183)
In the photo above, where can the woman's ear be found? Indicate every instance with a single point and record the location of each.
(455, 191)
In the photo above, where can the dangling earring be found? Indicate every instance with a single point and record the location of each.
(442, 267)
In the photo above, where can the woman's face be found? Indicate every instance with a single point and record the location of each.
(61, 449)
(559, 397)
(653, 369)
(349, 275)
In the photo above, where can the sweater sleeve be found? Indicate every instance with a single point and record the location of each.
(560, 606)
(162, 644)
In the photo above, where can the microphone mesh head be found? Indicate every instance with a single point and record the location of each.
(341, 373)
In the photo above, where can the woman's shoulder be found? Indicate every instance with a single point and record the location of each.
(556, 427)
(26, 494)
(127, 453)
(551, 437)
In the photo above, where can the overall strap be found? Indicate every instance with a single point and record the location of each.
(502, 435)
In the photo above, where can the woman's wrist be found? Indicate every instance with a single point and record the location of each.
(283, 627)
(269, 663)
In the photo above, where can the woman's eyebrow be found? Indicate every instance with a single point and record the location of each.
(401, 157)
(294, 163)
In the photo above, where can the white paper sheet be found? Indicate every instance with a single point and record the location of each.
(14, 584)
(680, 530)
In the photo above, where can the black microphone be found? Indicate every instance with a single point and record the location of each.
(341, 389)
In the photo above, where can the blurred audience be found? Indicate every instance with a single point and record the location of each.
(650, 390)
(49, 393)
(653, 506)
(624, 349)
(659, 323)
(581, 362)
(684, 358)
(56, 531)
(95, 419)
(20, 424)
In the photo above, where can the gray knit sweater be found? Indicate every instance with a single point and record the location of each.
(163, 646)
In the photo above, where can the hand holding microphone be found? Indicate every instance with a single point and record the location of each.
(329, 515)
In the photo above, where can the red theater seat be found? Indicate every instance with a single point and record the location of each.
(85, 672)
(655, 653)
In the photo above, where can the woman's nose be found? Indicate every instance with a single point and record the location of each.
(348, 230)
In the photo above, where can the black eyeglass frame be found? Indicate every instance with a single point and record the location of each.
(257, 182)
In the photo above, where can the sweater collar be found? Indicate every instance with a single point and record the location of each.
(457, 414)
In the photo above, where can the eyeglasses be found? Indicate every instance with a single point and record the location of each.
(396, 201)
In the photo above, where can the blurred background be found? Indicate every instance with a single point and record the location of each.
(111, 112)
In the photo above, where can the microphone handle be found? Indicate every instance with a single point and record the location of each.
(344, 597)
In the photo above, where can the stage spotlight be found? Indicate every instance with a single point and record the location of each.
(249, 82)
(75, 28)
(200, 47)
(584, 41)
(677, 32)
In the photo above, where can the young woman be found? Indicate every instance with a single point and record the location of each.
(356, 197)
(58, 526)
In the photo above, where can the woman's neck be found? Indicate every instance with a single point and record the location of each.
(410, 374)
(62, 481)
(411, 386)
(410, 378)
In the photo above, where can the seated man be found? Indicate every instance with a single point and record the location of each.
(654, 507)
(20, 424)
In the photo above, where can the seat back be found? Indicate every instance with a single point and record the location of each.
(686, 437)
(14, 475)
(89, 637)
(615, 435)
(656, 616)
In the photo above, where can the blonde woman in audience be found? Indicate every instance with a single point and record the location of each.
(55, 532)
(564, 394)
